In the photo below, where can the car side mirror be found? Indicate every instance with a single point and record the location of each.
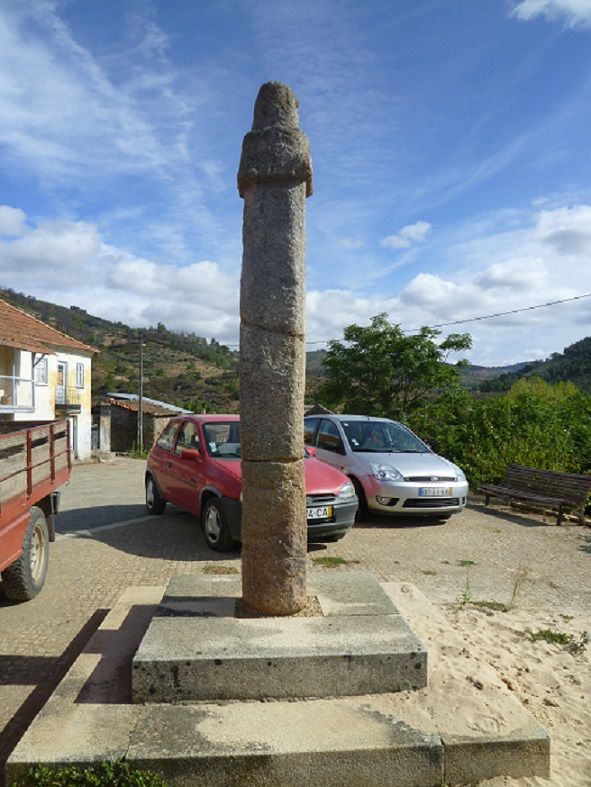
(190, 454)
(312, 451)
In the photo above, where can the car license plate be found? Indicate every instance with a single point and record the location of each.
(320, 512)
(435, 491)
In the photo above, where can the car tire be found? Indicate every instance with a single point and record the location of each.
(155, 503)
(363, 510)
(215, 526)
(24, 579)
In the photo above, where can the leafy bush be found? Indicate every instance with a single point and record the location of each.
(104, 774)
(535, 424)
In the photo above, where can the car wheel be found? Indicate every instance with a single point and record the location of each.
(215, 526)
(363, 510)
(155, 503)
(25, 578)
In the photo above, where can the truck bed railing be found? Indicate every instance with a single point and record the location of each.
(32, 460)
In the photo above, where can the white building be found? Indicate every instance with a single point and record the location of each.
(44, 375)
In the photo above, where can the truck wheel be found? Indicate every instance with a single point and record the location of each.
(154, 502)
(215, 526)
(25, 578)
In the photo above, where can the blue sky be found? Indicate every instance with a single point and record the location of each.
(450, 140)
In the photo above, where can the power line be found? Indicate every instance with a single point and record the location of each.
(512, 311)
(485, 316)
(473, 319)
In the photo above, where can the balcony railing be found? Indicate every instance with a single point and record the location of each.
(16, 394)
(68, 399)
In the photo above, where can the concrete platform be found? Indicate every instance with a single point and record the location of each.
(196, 649)
(371, 740)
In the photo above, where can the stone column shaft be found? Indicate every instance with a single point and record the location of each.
(274, 179)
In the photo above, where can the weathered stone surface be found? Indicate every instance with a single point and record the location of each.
(193, 658)
(274, 535)
(273, 273)
(272, 376)
(275, 150)
(339, 593)
(474, 758)
(346, 741)
(274, 177)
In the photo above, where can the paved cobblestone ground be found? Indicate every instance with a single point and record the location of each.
(96, 557)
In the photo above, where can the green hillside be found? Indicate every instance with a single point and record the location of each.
(573, 364)
(179, 367)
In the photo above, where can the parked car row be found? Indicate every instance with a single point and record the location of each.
(352, 462)
(195, 464)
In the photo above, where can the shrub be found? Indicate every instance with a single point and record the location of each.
(105, 774)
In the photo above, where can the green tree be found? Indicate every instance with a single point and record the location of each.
(378, 370)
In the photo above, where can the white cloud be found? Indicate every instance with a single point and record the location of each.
(575, 13)
(408, 235)
(68, 263)
(485, 269)
(12, 221)
(494, 265)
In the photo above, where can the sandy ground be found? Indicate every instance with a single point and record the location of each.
(490, 652)
(477, 556)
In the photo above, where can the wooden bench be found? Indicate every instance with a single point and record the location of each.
(547, 488)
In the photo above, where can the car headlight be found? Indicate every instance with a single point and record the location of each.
(346, 492)
(386, 473)
(461, 476)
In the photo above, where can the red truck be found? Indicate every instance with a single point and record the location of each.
(35, 460)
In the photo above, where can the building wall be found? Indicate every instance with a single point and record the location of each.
(124, 429)
(45, 396)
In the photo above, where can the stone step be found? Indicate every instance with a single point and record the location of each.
(197, 649)
(373, 740)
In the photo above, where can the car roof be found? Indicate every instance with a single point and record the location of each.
(344, 417)
(206, 418)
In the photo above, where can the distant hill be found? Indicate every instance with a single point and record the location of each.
(474, 376)
(190, 371)
(179, 367)
(573, 364)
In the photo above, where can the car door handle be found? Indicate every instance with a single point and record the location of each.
(170, 464)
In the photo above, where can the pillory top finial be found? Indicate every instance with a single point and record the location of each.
(276, 105)
(276, 150)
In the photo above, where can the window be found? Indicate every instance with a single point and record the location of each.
(222, 439)
(188, 437)
(310, 425)
(166, 439)
(41, 371)
(79, 375)
(329, 438)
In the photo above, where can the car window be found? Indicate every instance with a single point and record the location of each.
(222, 439)
(310, 425)
(188, 437)
(382, 437)
(329, 438)
(166, 439)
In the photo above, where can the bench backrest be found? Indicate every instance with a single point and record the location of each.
(551, 483)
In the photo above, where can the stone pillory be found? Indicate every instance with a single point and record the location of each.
(274, 178)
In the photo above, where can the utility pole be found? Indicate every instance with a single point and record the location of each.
(140, 408)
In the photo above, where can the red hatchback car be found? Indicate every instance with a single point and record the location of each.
(195, 465)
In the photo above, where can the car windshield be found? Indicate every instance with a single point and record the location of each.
(222, 439)
(382, 437)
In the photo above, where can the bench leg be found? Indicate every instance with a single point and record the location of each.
(559, 517)
(486, 499)
(582, 515)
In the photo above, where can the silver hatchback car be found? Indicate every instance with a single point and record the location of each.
(393, 471)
